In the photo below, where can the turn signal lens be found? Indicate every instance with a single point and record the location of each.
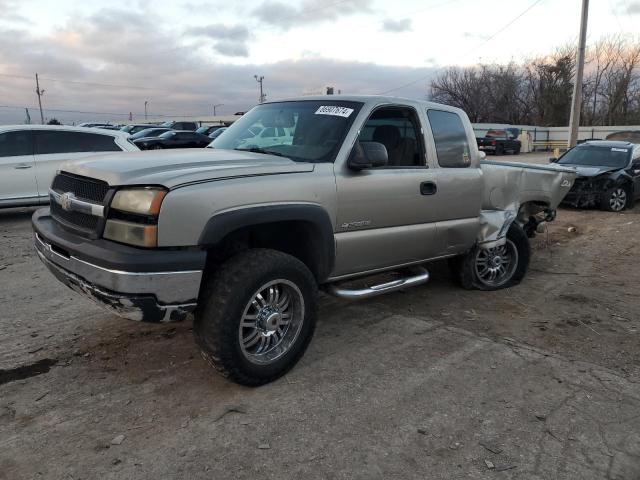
(144, 201)
(137, 234)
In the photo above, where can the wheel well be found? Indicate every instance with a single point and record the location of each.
(300, 239)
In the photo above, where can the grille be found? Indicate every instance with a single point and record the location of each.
(84, 188)
(77, 219)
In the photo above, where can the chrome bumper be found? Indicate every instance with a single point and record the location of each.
(144, 296)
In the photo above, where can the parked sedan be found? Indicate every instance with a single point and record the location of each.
(608, 174)
(209, 129)
(136, 127)
(30, 155)
(149, 132)
(217, 133)
(173, 139)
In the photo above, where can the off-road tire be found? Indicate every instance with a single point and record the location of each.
(221, 304)
(605, 203)
(464, 271)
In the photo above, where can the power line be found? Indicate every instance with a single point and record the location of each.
(115, 114)
(78, 82)
(487, 40)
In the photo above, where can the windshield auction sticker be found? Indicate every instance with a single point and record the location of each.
(614, 149)
(335, 111)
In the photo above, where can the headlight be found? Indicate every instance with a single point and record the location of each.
(133, 216)
(144, 201)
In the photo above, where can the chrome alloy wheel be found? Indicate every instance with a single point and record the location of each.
(618, 199)
(495, 266)
(271, 321)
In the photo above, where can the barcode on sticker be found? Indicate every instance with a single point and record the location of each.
(333, 110)
(614, 149)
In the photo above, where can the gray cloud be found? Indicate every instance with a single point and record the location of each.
(221, 31)
(231, 49)
(230, 40)
(280, 14)
(396, 26)
(128, 58)
(632, 7)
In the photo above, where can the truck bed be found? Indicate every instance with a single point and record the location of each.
(511, 184)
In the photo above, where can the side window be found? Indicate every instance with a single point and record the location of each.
(450, 137)
(56, 141)
(398, 129)
(14, 144)
(99, 143)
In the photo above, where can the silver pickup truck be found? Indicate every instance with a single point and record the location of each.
(296, 195)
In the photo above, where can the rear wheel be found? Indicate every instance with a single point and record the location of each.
(615, 199)
(256, 316)
(495, 268)
(499, 150)
(516, 151)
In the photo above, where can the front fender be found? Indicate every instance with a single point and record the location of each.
(223, 224)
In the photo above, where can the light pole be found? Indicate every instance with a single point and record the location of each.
(214, 108)
(40, 93)
(574, 119)
(262, 95)
(146, 102)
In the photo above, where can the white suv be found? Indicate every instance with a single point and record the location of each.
(31, 154)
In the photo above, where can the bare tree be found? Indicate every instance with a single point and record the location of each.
(539, 90)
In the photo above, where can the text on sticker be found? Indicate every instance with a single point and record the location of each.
(614, 149)
(333, 110)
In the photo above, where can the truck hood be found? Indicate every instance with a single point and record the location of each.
(172, 168)
(585, 171)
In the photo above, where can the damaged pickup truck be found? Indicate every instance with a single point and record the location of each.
(608, 174)
(244, 234)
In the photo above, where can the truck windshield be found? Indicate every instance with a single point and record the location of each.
(304, 131)
(596, 157)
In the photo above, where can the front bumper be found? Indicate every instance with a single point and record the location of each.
(145, 285)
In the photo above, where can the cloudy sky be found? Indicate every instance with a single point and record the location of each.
(107, 57)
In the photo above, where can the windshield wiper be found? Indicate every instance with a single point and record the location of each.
(260, 150)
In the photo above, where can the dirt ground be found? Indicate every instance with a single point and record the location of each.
(539, 381)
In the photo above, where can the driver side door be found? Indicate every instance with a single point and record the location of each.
(387, 215)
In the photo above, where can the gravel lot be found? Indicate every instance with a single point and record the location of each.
(540, 381)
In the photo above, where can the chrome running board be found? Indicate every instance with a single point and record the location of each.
(421, 276)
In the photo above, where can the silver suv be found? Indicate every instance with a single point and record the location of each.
(242, 234)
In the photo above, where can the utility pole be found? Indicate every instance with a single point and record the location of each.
(263, 97)
(214, 108)
(39, 93)
(145, 109)
(576, 104)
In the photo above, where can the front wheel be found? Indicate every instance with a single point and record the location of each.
(256, 316)
(495, 268)
(615, 199)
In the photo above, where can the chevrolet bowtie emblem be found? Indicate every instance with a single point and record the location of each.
(66, 200)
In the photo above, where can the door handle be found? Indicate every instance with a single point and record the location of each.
(22, 167)
(428, 188)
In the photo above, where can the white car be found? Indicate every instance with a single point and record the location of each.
(31, 154)
(267, 137)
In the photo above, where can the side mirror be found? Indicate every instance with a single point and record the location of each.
(553, 160)
(368, 155)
